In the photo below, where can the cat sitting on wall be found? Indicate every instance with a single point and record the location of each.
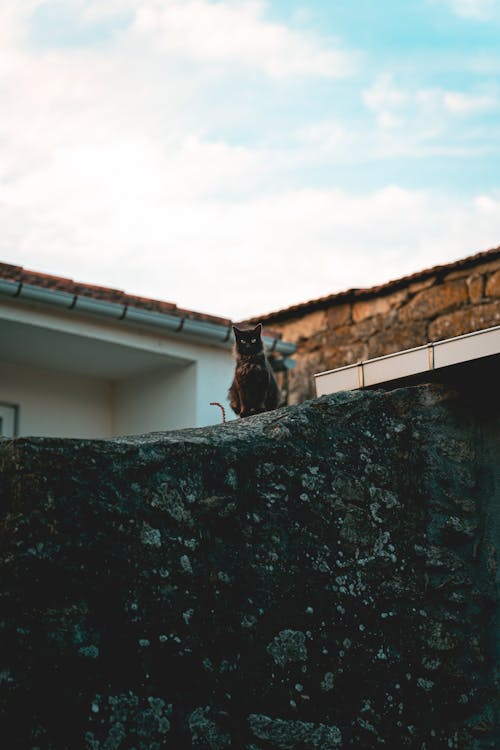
(254, 388)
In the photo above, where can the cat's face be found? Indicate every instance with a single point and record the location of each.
(248, 342)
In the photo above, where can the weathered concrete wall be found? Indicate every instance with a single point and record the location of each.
(370, 323)
(314, 578)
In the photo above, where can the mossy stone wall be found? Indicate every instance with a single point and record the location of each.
(319, 577)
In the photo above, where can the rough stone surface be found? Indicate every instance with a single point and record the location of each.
(433, 301)
(417, 286)
(305, 327)
(353, 352)
(465, 321)
(378, 305)
(297, 382)
(314, 578)
(397, 337)
(493, 285)
(475, 287)
(339, 315)
(486, 268)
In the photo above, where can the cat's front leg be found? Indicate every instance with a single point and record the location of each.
(250, 411)
(246, 411)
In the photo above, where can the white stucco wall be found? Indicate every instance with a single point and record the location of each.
(161, 400)
(80, 376)
(214, 375)
(174, 397)
(57, 404)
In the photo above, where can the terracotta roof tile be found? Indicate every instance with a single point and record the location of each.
(366, 293)
(108, 294)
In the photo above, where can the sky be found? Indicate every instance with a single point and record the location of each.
(240, 156)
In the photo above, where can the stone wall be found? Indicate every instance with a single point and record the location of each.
(314, 578)
(346, 328)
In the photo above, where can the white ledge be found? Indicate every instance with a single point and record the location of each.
(432, 356)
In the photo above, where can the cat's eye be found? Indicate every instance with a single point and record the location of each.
(253, 341)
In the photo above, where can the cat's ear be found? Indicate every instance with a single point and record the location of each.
(236, 330)
(258, 328)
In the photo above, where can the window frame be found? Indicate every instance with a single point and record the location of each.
(13, 416)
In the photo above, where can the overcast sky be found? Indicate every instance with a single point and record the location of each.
(238, 156)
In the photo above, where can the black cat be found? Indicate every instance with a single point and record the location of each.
(254, 388)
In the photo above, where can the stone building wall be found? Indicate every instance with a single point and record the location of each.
(356, 325)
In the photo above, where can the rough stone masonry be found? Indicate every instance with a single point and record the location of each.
(314, 578)
(360, 324)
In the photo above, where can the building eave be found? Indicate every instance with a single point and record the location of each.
(171, 321)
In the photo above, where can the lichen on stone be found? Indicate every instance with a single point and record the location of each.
(286, 734)
(204, 731)
(288, 646)
(124, 720)
(150, 536)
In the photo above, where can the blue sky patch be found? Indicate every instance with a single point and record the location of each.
(57, 25)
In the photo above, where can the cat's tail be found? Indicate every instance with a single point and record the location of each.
(216, 403)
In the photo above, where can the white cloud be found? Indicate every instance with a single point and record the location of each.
(390, 104)
(466, 104)
(242, 257)
(383, 97)
(409, 123)
(386, 99)
(480, 10)
(144, 81)
(238, 33)
(423, 121)
(330, 137)
(486, 205)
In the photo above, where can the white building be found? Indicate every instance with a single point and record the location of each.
(85, 361)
